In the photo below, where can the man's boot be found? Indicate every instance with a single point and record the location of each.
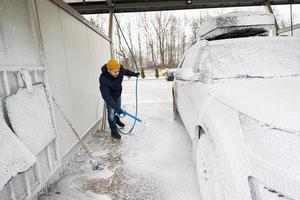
(115, 135)
(119, 123)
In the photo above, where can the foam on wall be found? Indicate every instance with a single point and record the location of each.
(14, 156)
(30, 117)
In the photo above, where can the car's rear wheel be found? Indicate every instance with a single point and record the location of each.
(207, 169)
(175, 110)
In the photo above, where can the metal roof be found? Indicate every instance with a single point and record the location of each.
(100, 6)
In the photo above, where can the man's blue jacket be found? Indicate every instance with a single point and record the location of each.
(111, 87)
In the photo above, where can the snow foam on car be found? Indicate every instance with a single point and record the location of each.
(237, 24)
(260, 191)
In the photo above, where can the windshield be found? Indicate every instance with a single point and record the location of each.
(252, 58)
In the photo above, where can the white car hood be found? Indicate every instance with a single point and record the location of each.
(275, 102)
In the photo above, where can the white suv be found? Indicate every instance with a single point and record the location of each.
(239, 100)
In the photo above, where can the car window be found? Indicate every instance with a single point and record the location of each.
(200, 67)
(181, 62)
(191, 57)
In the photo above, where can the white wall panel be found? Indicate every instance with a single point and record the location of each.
(19, 43)
(74, 54)
(99, 51)
(77, 55)
(56, 62)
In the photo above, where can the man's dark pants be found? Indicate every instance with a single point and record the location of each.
(111, 116)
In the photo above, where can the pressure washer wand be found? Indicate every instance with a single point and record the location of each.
(96, 165)
(130, 115)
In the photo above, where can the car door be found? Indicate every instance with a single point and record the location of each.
(184, 81)
(201, 95)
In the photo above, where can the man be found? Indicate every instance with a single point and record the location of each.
(111, 89)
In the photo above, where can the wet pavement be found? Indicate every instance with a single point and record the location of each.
(153, 163)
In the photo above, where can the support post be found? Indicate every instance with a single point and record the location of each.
(110, 34)
(291, 15)
(46, 81)
(269, 8)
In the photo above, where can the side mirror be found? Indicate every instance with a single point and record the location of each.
(184, 74)
(187, 75)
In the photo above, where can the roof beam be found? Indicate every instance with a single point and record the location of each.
(159, 5)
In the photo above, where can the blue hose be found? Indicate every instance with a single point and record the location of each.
(136, 110)
(135, 64)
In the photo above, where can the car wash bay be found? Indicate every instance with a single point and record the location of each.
(155, 162)
(49, 49)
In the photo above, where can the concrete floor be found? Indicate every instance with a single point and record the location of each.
(153, 163)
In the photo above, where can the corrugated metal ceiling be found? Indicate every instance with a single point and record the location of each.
(100, 6)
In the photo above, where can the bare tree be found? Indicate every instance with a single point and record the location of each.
(93, 21)
(121, 52)
(140, 44)
(179, 45)
(161, 24)
(172, 41)
(129, 31)
(183, 44)
(149, 39)
(195, 27)
(197, 22)
(102, 21)
(156, 39)
(131, 46)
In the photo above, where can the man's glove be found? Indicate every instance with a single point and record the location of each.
(137, 74)
(119, 111)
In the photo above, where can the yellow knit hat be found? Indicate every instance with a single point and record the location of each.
(112, 64)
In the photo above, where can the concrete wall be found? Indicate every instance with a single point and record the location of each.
(74, 54)
(60, 49)
(19, 42)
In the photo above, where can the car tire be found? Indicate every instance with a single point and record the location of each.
(211, 187)
(175, 110)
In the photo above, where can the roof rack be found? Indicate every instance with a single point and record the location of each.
(237, 24)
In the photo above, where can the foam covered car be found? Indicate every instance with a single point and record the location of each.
(240, 103)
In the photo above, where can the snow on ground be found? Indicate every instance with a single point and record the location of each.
(30, 117)
(14, 156)
(153, 163)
